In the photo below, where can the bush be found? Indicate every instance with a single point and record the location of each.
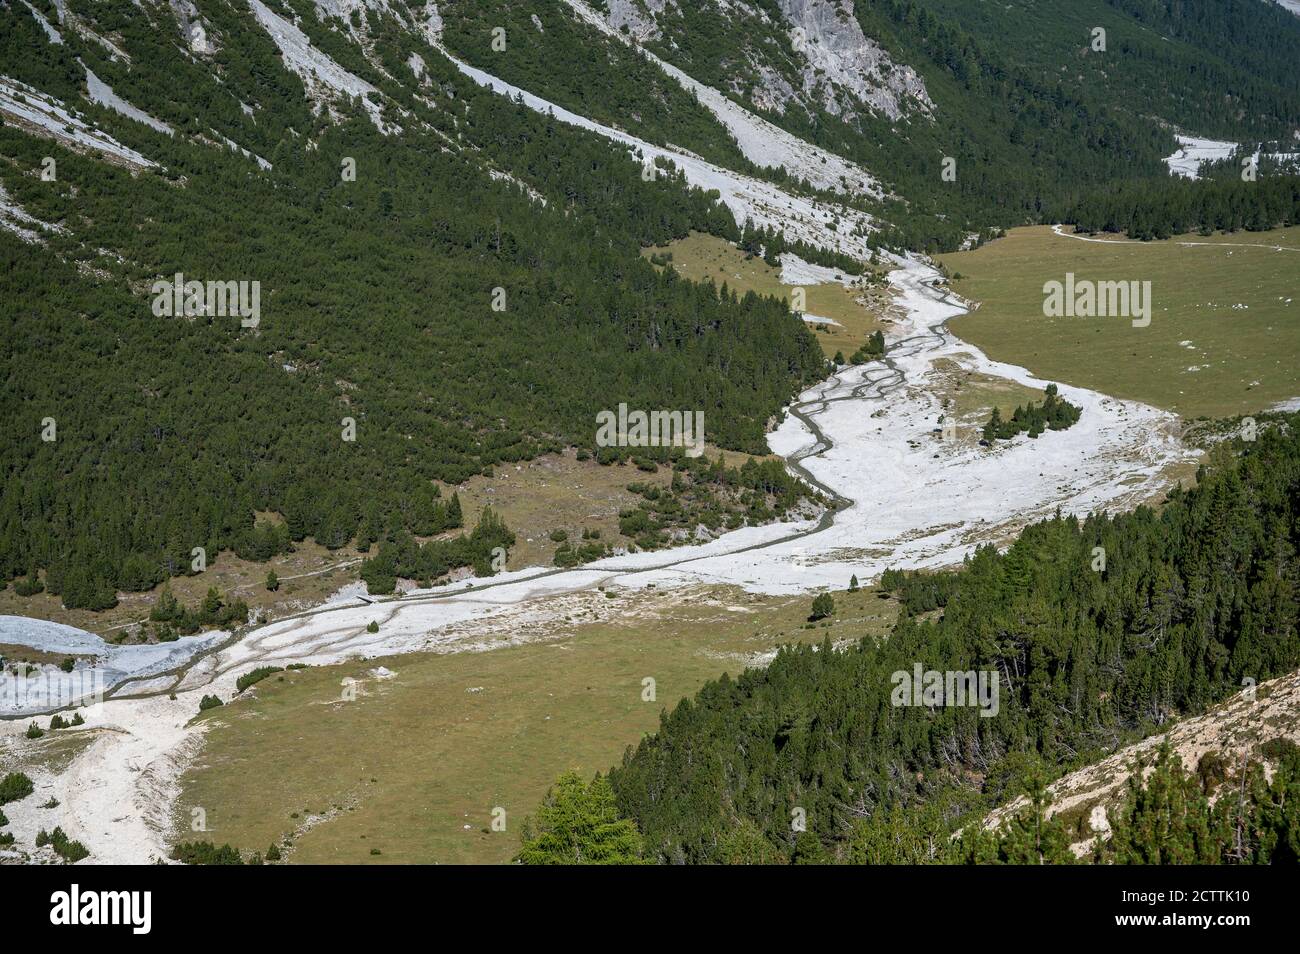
(68, 664)
(258, 674)
(14, 786)
(1212, 770)
(559, 536)
(69, 850)
(205, 853)
(209, 702)
(211, 613)
(1279, 748)
(873, 349)
(372, 627)
(29, 586)
(823, 606)
(1054, 414)
(34, 731)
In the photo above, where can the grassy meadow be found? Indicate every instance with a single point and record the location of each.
(412, 769)
(1224, 336)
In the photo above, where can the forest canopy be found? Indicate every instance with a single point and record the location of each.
(1188, 601)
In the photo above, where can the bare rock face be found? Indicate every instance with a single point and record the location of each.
(845, 70)
(773, 91)
(836, 67)
(637, 17)
(195, 31)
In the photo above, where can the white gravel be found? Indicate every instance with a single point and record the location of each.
(1193, 152)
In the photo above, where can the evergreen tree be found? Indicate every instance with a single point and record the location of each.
(578, 823)
(823, 605)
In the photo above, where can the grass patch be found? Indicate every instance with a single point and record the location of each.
(969, 397)
(1244, 357)
(706, 257)
(411, 770)
(558, 492)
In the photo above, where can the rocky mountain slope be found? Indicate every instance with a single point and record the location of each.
(1221, 740)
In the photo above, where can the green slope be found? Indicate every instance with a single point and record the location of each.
(376, 298)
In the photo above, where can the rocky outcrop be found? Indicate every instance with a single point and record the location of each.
(819, 57)
(843, 69)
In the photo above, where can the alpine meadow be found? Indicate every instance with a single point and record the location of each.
(652, 432)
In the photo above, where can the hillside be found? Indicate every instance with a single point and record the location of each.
(338, 336)
(1019, 94)
(342, 157)
(1251, 727)
(379, 299)
(1185, 603)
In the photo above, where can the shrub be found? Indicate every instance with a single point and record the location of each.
(1277, 749)
(209, 702)
(261, 672)
(14, 786)
(34, 731)
(823, 606)
(29, 586)
(1212, 770)
(372, 627)
(205, 853)
(69, 850)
